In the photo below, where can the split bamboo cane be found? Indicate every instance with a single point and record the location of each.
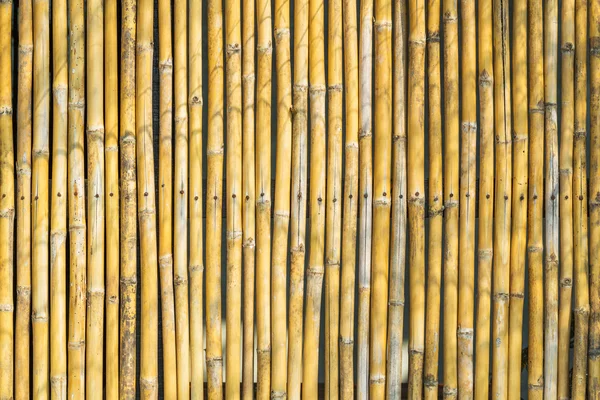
(502, 209)
(551, 262)
(281, 215)
(40, 206)
(580, 222)
(333, 225)
(58, 218)
(165, 196)
(23, 237)
(7, 206)
(128, 211)
(111, 157)
(435, 206)
(214, 152)
(566, 195)
(518, 248)
(468, 174)
(366, 198)
(535, 370)
(486, 201)
(146, 202)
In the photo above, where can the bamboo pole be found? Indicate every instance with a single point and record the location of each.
(7, 206)
(146, 203)
(281, 215)
(40, 206)
(128, 210)
(165, 195)
(366, 199)
(580, 223)
(58, 218)
(535, 229)
(551, 262)
(486, 202)
(435, 207)
(518, 249)
(451, 201)
(23, 237)
(502, 208)
(347, 301)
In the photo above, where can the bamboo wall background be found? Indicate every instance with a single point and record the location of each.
(274, 198)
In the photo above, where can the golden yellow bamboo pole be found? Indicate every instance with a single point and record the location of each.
(146, 202)
(366, 198)
(111, 156)
(580, 221)
(7, 206)
(502, 208)
(128, 210)
(451, 197)
(40, 206)
(58, 218)
(486, 201)
(435, 206)
(346, 341)
(317, 198)
(214, 152)
(23, 201)
(165, 196)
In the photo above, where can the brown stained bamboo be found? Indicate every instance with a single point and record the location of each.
(111, 157)
(214, 153)
(535, 370)
(435, 206)
(518, 247)
(196, 267)
(233, 33)
(281, 214)
(366, 198)
(566, 194)
(23, 201)
(146, 203)
(552, 251)
(58, 218)
(128, 210)
(451, 197)
(581, 310)
(468, 174)
(502, 208)
(486, 202)
(40, 206)
(7, 207)
(298, 204)
(350, 211)
(165, 197)
(333, 224)
(317, 198)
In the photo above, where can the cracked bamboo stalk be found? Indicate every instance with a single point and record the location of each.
(366, 199)
(435, 206)
(333, 224)
(146, 202)
(451, 201)
(535, 370)
(518, 249)
(580, 222)
(7, 206)
(40, 206)
(23, 237)
(551, 206)
(165, 193)
(58, 218)
(128, 210)
(502, 208)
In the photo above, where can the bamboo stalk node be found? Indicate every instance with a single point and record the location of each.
(196, 268)
(580, 134)
(536, 386)
(430, 382)
(144, 47)
(377, 379)
(76, 345)
(179, 280)
(7, 213)
(250, 244)
(24, 291)
(111, 149)
(485, 79)
(336, 88)
(568, 48)
(519, 295)
(6, 110)
(346, 341)
(280, 33)
(149, 384)
(396, 303)
(278, 395)
(214, 362)
(365, 133)
(450, 392)
(316, 90)
(6, 308)
(196, 101)
(566, 283)
(466, 333)
(233, 48)
(450, 18)
(433, 37)
(265, 49)
(486, 254)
